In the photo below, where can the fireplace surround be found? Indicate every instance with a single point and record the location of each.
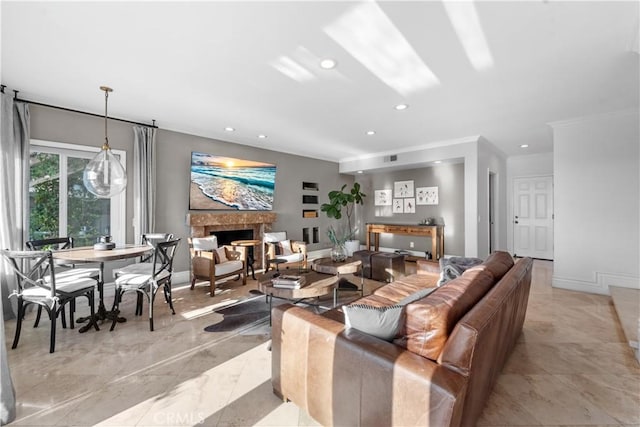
(205, 224)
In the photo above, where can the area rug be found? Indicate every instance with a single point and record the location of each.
(245, 313)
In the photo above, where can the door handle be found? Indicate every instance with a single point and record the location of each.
(515, 222)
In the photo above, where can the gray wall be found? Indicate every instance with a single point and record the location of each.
(449, 178)
(173, 162)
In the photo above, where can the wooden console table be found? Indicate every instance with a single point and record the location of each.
(436, 232)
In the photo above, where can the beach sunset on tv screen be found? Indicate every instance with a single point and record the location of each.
(233, 184)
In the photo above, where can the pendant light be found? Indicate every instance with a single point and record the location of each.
(104, 176)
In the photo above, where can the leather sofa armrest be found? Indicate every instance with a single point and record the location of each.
(345, 377)
(428, 267)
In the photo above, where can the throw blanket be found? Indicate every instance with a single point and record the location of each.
(453, 267)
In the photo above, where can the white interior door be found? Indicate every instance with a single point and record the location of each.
(533, 217)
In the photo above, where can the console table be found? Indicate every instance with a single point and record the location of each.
(436, 232)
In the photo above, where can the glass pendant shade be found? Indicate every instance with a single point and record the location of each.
(104, 176)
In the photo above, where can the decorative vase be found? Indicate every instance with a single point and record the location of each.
(351, 246)
(338, 253)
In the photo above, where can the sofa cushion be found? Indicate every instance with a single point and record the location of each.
(406, 286)
(283, 248)
(498, 263)
(380, 322)
(430, 320)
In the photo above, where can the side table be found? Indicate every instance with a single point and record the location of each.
(250, 258)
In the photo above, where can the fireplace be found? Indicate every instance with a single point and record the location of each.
(257, 223)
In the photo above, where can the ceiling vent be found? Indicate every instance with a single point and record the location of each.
(391, 158)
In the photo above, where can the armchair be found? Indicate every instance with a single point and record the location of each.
(276, 245)
(210, 262)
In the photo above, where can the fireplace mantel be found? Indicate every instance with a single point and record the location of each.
(205, 224)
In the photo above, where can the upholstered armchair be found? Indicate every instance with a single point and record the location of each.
(276, 245)
(212, 263)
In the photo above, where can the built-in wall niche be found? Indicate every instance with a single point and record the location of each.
(309, 199)
(311, 235)
(310, 186)
(309, 213)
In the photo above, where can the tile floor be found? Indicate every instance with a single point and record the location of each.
(571, 367)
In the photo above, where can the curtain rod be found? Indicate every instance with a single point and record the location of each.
(15, 98)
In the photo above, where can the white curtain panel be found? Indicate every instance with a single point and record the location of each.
(14, 180)
(144, 178)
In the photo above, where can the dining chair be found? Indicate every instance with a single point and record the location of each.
(212, 263)
(63, 270)
(148, 283)
(37, 284)
(143, 266)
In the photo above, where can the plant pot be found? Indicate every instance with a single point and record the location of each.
(338, 253)
(352, 246)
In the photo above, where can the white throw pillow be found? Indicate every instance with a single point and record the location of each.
(222, 255)
(285, 247)
(380, 322)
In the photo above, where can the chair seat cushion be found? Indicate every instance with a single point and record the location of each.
(139, 280)
(137, 268)
(291, 258)
(228, 267)
(72, 286)
(74, 274)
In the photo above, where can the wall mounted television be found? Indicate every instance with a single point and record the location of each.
(226, 183)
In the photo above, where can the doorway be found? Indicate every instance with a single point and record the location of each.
(533, 217)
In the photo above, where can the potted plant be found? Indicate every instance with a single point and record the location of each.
(339, 200)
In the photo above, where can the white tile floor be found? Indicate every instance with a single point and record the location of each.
(570, 367)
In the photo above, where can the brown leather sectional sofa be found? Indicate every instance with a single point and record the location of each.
(439, 371)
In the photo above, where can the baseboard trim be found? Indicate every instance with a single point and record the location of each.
(598, 286)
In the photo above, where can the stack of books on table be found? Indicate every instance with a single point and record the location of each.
(288, 282)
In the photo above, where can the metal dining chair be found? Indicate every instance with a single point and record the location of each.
(148, 284)
(63, 270)
(37, 284)
(144, 266)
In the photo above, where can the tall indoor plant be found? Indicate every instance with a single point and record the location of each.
(342, 201)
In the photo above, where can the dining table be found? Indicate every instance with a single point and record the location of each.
(89, 254)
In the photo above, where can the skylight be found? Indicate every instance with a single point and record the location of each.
(370, 37)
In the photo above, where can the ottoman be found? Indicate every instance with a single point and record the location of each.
(386, 266)
(365, 257)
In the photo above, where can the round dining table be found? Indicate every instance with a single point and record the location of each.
(89, 254)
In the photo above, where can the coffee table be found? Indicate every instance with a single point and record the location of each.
(316, 285)
(348, 266)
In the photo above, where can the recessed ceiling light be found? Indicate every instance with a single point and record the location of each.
(401, 107)
(360, 171)
(262, 136)
(371, 132)
(438, 161)
(328, 64)
(524, 146)
(229, 129)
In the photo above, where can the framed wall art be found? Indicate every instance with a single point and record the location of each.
(410, 205)
(427, 195)
(382, 198)
(398, 206)
(403, 189)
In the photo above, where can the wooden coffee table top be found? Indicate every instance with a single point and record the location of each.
(316, 285)
(328, 266)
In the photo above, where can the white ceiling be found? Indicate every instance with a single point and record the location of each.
(196, 67)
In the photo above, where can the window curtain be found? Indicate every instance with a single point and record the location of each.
(144, 180)
(14, 181)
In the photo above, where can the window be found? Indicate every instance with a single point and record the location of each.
(60, 205)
